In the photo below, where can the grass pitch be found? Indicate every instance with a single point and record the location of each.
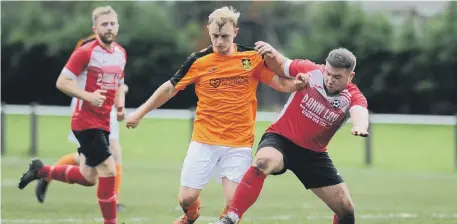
(412, 178)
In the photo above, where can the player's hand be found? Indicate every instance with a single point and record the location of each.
(97, 98)
(359, 132)
(120, 113)
(264, 49)
(133, 120)
(301, 80)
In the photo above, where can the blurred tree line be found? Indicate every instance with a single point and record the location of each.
(402, 68)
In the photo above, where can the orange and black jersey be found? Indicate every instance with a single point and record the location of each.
(226, 90)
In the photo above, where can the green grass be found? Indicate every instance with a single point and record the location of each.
(412, 178)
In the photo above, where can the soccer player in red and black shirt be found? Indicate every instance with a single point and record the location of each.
(74, 158)
(297, 141)
(94, 74)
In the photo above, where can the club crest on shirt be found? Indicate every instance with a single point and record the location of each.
(246, 63)
(339, 102)
(336, 102)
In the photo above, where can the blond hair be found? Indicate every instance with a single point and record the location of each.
(104, 10)
(224, 15)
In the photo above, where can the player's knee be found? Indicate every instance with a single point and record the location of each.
(91, 182)
(346, 211)
(347, 217)
(107, 168)
(187, 200)
(105, 171)
(90, 177)
(89, 174)
(266, 164)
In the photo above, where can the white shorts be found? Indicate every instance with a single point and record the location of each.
(204, 161)
(114, 125)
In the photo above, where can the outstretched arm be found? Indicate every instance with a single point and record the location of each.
(274, 60)
(164, 93)
(289, 85)
(359, 116)
(359, 112)
(186, 75)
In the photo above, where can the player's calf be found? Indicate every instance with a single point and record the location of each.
(106, 189)
(115, 149)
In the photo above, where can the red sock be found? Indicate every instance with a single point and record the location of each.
(247, 191)
(107, 198)
(335, 219)
(65, 173)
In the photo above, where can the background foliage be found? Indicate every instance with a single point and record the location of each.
(404, 66)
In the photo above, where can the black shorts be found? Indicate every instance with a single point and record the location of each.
(94, 145)
(313, 169)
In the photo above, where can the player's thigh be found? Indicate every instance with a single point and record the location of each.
(115, 149)
(89, 173)
(336, 197)
(94, 145)
(233, 163)
(72, 138)
(77, 158)
(314, 169)
(270, 157)
(114, 135)
(200, 161)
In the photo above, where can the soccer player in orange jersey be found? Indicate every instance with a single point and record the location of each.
(226, 76)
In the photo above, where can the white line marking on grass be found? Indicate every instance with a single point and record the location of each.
(444, 216)
(394, 216)
(389, 216)
(279, 217)
(69, 220)
(13, 160)
(9, 183)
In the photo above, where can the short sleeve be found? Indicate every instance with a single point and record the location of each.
(78, 61)
(357, 97)
(264, 74)
(187, 74)
(293, 67)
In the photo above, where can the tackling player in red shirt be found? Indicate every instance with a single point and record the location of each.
(94, 74)
(297, 140)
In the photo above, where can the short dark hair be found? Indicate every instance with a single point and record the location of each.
(342, 58)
